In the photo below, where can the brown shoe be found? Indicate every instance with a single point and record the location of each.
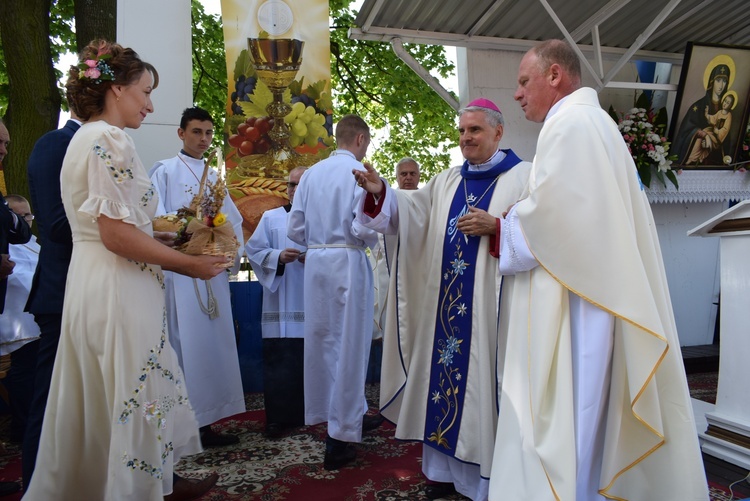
(184, 489)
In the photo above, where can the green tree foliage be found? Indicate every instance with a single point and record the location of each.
(36, 45)
(29, 93)
(370, 80)
(62, 37)
(367, 79)
(209, 67)
(62, 40)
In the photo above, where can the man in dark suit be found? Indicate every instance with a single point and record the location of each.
(48, 286)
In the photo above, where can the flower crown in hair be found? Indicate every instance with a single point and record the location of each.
(96, 69)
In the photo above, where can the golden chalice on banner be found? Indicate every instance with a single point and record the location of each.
(276, 63)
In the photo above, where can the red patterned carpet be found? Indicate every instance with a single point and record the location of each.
(290, 468)
(703, 386)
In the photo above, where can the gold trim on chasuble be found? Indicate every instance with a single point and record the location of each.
(632, 404)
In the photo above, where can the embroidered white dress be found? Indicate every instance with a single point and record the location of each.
(118, 417)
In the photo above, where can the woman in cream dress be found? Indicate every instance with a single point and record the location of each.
(118, 416)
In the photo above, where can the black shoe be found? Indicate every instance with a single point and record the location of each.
(439, 490)
(210, 438)
(338, 458)
(275, 430)
(8, 488)
(370, 423)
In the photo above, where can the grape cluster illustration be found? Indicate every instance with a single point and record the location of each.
(243, 89)
(310, 122)
(252, 136)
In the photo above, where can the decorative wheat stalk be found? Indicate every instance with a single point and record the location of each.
(202, 185)
(261, 186)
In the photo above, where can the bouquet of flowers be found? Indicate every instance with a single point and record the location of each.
(643, 131)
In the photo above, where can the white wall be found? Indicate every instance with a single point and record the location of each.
(691, 263)
(160, 32)
(692, 266)
(493, 74)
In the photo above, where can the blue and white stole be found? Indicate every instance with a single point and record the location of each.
(453, 325)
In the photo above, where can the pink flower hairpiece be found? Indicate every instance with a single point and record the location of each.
(96, 69)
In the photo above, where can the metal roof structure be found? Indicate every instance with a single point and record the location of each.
(621, 30)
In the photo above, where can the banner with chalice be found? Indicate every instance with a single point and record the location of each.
(279, 98)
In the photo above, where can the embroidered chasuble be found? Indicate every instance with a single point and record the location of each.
(444, 329)
(453, 324)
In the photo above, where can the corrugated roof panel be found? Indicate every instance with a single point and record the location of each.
(711, 21)
(515, 20)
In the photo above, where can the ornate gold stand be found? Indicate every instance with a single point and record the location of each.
(276, 63)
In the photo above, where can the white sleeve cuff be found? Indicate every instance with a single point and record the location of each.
(515, 255)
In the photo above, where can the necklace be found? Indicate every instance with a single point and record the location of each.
(472, 201)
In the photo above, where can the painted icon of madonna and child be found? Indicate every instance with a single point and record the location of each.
(707, 135)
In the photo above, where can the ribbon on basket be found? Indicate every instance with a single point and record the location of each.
(212, 240)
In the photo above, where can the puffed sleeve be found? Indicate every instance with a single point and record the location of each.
(114, 190)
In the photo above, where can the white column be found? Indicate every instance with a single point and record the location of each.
(160, 32)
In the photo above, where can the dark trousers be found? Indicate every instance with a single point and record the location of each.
(283, 381)
(20, 385)
(50, 325)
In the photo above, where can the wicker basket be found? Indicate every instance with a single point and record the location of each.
(215, 244)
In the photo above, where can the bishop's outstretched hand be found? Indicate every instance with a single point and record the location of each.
(369, 180)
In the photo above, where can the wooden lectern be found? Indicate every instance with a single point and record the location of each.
(728, 433)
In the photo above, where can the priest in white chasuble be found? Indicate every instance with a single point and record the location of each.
(595, 404)
(199, 312)
(447, 306)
